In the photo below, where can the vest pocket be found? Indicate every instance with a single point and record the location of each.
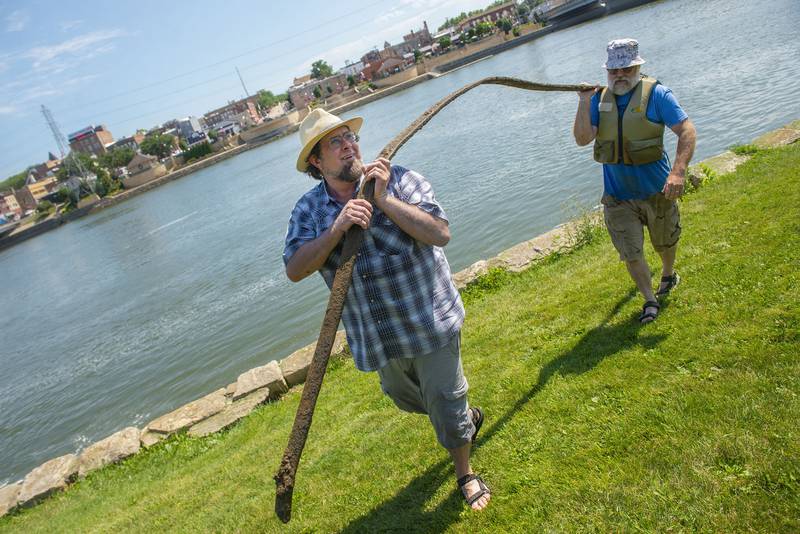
(644, 151)
(604, 151)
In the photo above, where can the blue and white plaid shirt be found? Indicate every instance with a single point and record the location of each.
(402, 302)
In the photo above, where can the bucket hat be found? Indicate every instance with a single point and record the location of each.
(317, 125)
(623, 53)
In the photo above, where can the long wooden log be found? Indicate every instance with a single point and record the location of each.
(285, 476)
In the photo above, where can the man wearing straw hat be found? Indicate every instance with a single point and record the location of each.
(626, 122)
(402, 314)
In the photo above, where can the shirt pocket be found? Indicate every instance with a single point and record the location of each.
(389, 239)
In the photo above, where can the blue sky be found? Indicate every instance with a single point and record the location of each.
(132, 65)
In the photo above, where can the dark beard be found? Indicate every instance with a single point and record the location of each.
(352, 172)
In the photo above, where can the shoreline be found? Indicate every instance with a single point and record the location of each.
(51, 223)
(223, 407)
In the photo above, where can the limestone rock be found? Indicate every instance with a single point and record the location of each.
(265, 376)
(148, 438)
(465, 276)
(782, 136)
(232, 413)
(9, 497)
(295, 366)
(722, 163)
(189, 414)
(47, 478)
(230, 389)
(109, 450)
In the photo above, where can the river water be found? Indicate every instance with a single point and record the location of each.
(127, 314)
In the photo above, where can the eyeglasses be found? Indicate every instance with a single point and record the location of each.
(336, 143)
(625, 70)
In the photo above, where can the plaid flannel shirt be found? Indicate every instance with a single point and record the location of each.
(402, 302)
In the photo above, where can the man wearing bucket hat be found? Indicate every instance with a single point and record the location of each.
(402, 314)
(626, 122)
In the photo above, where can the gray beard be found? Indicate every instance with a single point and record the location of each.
(352, 172)
(632, 81)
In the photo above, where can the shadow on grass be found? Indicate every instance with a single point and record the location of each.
(407, 512)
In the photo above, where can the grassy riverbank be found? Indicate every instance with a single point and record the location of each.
(593, 422)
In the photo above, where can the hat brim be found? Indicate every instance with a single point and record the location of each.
(302, 160)
(635, 62)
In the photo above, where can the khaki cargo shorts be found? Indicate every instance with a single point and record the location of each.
(433, 384)
(626, 219)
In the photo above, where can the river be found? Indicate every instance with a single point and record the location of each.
(126, 314)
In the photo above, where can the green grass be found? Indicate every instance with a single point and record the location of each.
(594, 423)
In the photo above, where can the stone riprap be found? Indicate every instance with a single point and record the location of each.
(295, 367)
(49, 477)
(266, 376)
(232, 413)
(192, 413)
(112, 449)
(225, 406)
(9, 497)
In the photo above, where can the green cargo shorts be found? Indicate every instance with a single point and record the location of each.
(433, 384)
(626, 219)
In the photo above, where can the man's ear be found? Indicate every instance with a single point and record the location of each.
(314, 160)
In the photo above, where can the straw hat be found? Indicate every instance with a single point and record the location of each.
(623, 53)
(317, 125)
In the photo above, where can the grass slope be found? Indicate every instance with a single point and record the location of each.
(593, 422)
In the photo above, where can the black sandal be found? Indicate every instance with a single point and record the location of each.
(484, 489)
(476, 414)
(649, 315)
(671, 282)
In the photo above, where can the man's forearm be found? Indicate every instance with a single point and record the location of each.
(417, 223)
(310, 257)
(687, 139)
(582, 129)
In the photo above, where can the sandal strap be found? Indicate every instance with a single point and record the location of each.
(671, 278)
(466, 478)
(483, 488)
(651, 304)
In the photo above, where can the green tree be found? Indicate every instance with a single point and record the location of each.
(351, 81)
(445, 42)
(15, 181)
(159, 145)
(70, 166)
(119, 157)
(417, 56)
(267, 99)
(320, 69)
(213, 135)
(483, 28)
(317, 92)
(505, 25)
(522, 12)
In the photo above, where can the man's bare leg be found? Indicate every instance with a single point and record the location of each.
(640, 272)
(461, 462)
(667, 263)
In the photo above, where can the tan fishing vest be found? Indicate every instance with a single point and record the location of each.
(642, 141)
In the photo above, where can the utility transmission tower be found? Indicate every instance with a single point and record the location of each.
(63, 148)
(241, 80)
(61, 141)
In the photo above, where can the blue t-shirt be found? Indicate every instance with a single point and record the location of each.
(626, 182)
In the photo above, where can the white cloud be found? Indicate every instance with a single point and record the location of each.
(16, 21)
(69, 24)
(7, 110)
(75, 48)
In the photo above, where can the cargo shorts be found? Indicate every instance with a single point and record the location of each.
(433, 384)
(626, 219)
